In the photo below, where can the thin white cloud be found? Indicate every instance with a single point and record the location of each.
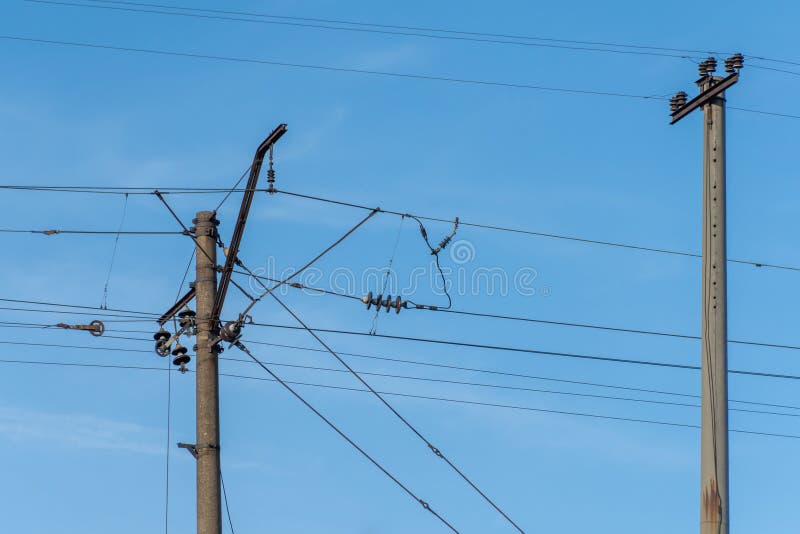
(81, 431)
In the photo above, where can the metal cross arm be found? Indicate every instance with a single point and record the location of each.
(183, 301)
(244, 210)
(705, 97)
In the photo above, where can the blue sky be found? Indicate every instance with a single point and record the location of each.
(86, 447)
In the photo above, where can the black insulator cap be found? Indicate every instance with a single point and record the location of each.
(182, 359)
(161, 334)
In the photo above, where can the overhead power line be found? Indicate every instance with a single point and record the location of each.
(535, 233)
(327, 421)
(254, 18)
(542, 410)
(512, 388)
(130, 318)
(485, 226)
(436, 451)
(298, 285)
(329, 68)
(236, 59)
(523, 350)
(399, 394)
(431, 379)
(425, 28)
(86, 232)
(509, 374)
(414, 31)
(61, 305)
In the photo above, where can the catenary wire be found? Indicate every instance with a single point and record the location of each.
(298, 285)
(495, 372)
(232, 189)
(131, 318)
(432, 398)
(269, 291)
(189, 233)
(435, 450)
(526, 350)
(227, 507)
(104, 303)
(76, 306)
(319, 414)
(535, 233)
(86, 232)
(127, 190)
(512, 388)
(517, 407)
(430, 379)
(134, 318)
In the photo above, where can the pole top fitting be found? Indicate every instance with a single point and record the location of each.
(206, 217)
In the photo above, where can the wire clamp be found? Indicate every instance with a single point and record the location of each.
(96, 327)
(435, 451)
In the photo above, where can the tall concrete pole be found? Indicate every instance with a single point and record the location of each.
(714, 432)
(209, 509)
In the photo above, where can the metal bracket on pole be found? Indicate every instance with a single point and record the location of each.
(189, 447)
(244, 210)
(183, 301)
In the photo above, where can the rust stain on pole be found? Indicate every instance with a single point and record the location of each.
(711, 502)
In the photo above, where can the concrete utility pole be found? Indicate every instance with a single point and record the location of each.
(209, 508)
(714, 422)
(714, 504)
(209, 332)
